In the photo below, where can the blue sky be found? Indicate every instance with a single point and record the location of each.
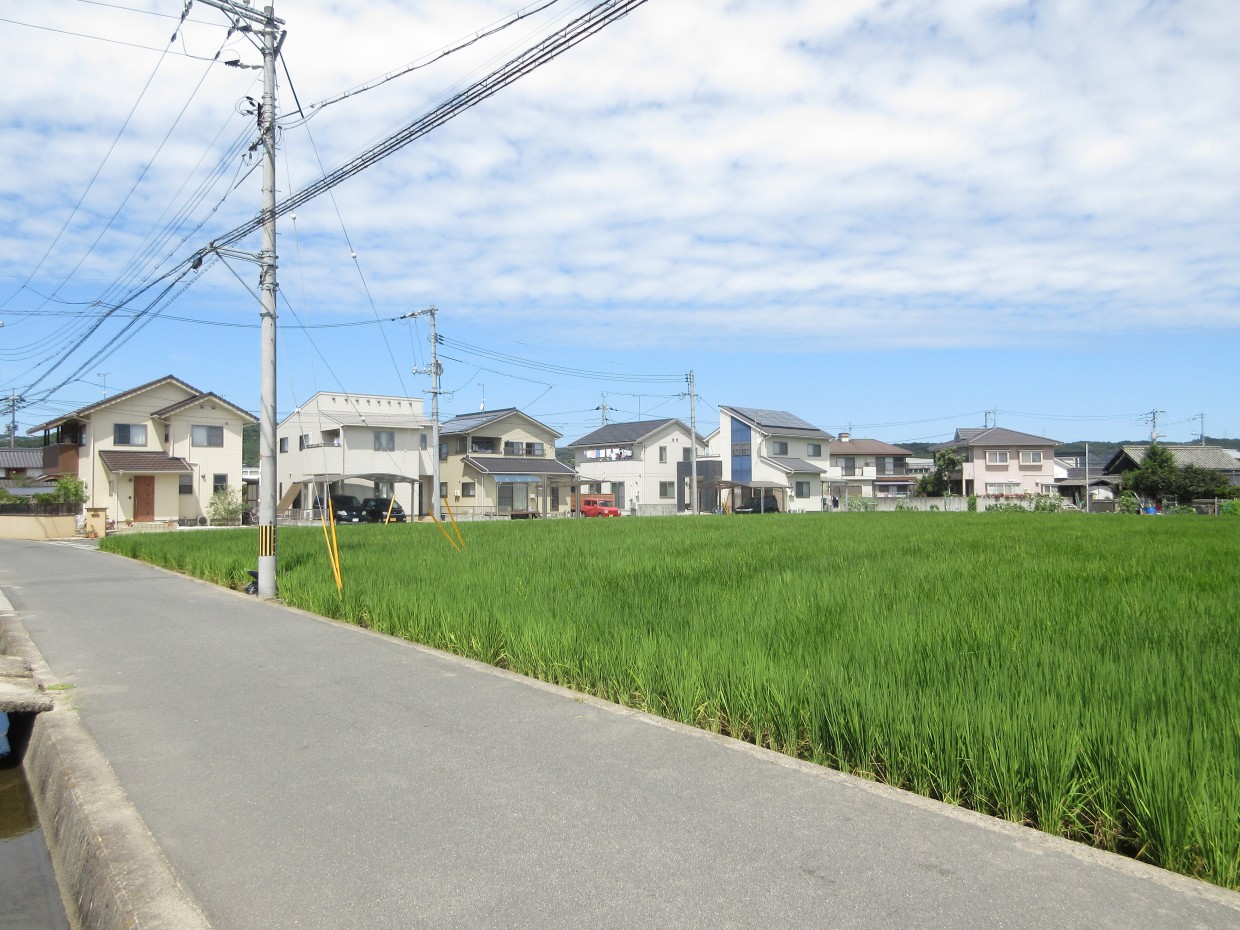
(890, 216)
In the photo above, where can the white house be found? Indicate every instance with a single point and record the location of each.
(366, 445)
(637, 463)
(154, 453)
(772, 453)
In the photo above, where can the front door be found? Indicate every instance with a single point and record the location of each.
(143, 498)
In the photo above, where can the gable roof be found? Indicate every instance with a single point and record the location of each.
(142, 462)
(617, 433)
(1212, 457)
(993, 436)
(472, 422)
(793, 465)
(780, 422)
(195, 396)
(209, 397)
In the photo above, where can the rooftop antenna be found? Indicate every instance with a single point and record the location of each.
(103, 377)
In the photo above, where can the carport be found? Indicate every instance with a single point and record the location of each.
(729, 488)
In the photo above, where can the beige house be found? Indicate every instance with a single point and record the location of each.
(502, 463)
(867, 468)
(154, 453)
(1003, 462)
(366, 445)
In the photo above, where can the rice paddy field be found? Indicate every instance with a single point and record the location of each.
(1075, 673)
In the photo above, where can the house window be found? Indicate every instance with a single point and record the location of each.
(207, 436)
(219, 483)
(534, 448)
(850, 467)
(779, 448)
(468, 488)
(283, 443)
(688, 454)
(813, 450)
(1005, 487)
(461, 445)
(303, 441)
(1030, 458)
(996, 458)
(385, 440)
(443, 489)
(483, 444)
(662, 457)
(129, 434)
(667, 489)
(802, 489)
(422, 441)
(187, 484)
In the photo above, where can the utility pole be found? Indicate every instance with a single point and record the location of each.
(270, 39)
(693, 482)
(14, 400)
(1152, 416)
(1087, 477)
(1201, 418)
(434, 370)
(602, 416)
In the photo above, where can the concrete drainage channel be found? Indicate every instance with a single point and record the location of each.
(110, 872)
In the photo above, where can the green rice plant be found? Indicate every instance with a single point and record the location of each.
(1075, 675)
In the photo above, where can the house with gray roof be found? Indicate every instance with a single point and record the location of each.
(772, 453)
(1000, 462)
(502, 463)
(1215, 458)
(643, 465)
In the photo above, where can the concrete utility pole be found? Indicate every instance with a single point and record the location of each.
(270, 39)
(435, 370)
(1153, 418)
(1201, 418)
(602, 411)
(693, 483)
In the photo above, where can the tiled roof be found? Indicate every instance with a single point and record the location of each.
(517, 465)
(468, 422)
(123, 395)
(1213, 457)
(21, 458)
(209, 397)
(616, 433)
(994, 436)
(142, 462)
(866, 447)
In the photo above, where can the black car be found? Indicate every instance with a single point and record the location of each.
(768, 504)
(382, 510)
(346, 508)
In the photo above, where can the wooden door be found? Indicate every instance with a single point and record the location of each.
(143, 498)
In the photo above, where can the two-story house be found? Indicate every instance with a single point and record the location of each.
(772, 452)
(868, 468)
(502, 463)
(154, 453)
(640, 464)
(1002, 462)
(366, 445)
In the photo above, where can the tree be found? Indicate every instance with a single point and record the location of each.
(1157, 477)
(938, 482)
(226, 506)
(1197, 483)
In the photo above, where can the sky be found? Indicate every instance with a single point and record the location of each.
(895, 217)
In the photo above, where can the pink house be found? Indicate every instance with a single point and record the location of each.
(1003, 462)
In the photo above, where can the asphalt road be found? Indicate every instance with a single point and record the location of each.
(301, 773)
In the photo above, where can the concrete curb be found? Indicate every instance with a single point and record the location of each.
(111, 872)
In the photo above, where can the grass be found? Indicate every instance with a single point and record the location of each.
(1077, 674)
